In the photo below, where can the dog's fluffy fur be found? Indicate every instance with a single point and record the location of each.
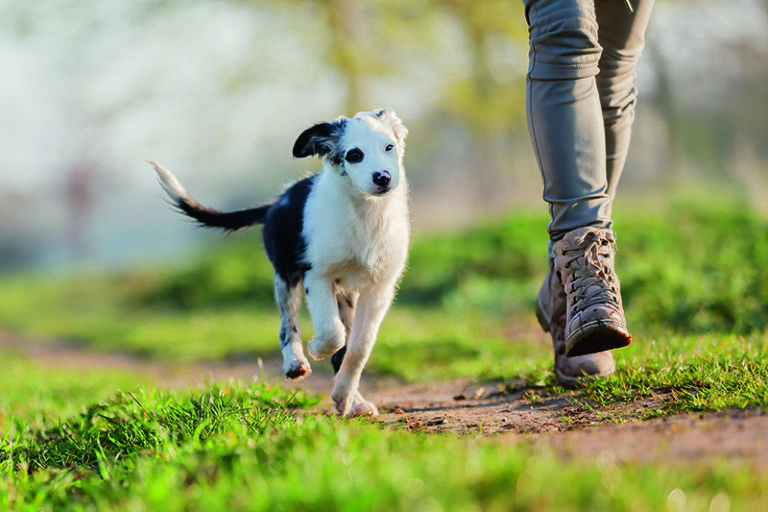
(342, 233)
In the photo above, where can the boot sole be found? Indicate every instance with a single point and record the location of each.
(597, 336)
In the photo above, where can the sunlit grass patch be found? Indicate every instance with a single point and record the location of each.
(33, 395)
(251, 447)
(696, 373)
(672, 375)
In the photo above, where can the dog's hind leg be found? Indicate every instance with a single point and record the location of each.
(371, 308)
(288, 297)
(346, 302)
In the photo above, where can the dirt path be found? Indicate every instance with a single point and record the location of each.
(510, 411)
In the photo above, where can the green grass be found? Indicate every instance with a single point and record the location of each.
(464, 307)
(36, 395)
(691, 274)
(695, 286)
(699, 373)
(232, 446)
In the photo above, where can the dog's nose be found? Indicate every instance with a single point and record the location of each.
(382, 178)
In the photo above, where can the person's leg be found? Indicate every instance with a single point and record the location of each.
(621, 34)
(583, 54)
(584, 258)
(579, 127)
(564, 115)
(566, 127)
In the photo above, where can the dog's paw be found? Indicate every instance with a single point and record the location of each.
(363, 408)
(353, 404)
(297, 369)
(326, 344)
(343, 399)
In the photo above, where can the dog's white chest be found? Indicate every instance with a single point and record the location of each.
(356, 244)
(356, 253)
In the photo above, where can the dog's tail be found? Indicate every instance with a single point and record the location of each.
(207, 217)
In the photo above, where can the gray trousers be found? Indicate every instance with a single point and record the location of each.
(580, 102)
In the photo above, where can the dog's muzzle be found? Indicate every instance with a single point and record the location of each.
(382, 179)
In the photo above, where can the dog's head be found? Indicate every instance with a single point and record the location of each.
(366, 149)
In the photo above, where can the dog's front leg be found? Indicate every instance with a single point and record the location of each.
(371, 308)
(329, 329)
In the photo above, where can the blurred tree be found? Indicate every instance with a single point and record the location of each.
(379, 38)
(492, 95)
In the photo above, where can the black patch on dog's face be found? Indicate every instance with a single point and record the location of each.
(354, 156)
(321, 139)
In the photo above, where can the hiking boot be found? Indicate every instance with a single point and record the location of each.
(595, 320)
(551, 312)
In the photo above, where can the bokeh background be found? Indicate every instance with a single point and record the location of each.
(217, 90)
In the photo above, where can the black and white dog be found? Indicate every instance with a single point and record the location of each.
(342, 233)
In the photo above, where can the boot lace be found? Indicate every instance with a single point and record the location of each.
(592, 281)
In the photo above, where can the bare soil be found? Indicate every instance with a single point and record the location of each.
(508, 411)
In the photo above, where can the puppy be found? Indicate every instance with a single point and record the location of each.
(341, 235)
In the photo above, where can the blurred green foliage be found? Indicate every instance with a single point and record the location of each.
(465, 305)
(698, 268)
(691, 267)
(236, 273)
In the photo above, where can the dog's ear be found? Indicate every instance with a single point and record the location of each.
(387, 115)
(319, 139)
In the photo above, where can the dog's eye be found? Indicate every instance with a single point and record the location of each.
(389, 147)
(354, 156)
